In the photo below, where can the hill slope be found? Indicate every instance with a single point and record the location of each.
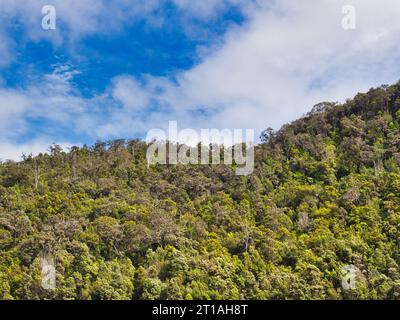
(325, 195)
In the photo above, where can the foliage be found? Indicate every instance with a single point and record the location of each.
(325, 193)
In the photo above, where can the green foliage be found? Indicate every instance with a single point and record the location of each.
(325, 193)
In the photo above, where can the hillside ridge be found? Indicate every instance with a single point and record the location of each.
(324, 198)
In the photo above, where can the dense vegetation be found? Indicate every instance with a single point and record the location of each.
(325, 193)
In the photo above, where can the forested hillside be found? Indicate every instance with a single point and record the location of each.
(325, 193)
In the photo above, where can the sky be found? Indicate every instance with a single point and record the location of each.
(117, 68)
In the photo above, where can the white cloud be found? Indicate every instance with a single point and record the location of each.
(51, 98)
(77, 19)
(11, 151)
(13, 106)
(130, 93)
(287, 57)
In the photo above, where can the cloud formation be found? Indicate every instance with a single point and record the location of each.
(286, 57)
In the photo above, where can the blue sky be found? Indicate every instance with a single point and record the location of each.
(116, 69)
